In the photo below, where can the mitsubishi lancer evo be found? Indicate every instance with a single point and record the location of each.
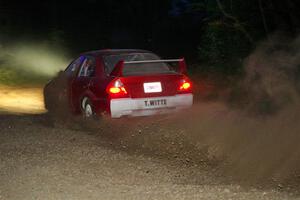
(121, 83)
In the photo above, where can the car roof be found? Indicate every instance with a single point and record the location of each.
(114, 52)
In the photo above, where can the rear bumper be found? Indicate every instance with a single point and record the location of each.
(142, 107)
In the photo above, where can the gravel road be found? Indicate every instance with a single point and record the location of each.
(136, 159)
(43, 162)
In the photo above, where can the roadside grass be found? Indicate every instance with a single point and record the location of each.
(11, 76)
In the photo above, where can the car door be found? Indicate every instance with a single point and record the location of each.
(81, 84)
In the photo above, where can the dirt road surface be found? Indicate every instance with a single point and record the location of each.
(142, 159)
(21, 100)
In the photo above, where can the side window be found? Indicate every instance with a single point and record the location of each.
(73, 67)
(88, 67)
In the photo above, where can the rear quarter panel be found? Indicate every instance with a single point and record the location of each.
(97, 90)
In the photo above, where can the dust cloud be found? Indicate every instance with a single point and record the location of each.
(27, 61)
(273, 75)
(258, 138)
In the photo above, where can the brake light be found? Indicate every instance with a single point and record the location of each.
(114, 90)
(116, 87)
(185, 85)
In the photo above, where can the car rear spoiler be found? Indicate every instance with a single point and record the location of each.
(118, 69)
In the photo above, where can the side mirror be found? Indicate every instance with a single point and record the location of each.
(182, 66)
(118, 69)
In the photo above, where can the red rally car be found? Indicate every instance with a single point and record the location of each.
(120, 83)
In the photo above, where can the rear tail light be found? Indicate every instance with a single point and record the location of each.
(116, 89)
(185, 85)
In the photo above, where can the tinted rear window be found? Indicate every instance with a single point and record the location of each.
(138, 68)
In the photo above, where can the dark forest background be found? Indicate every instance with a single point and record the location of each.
(219, 34)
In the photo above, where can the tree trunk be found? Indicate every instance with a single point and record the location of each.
(236, 22)
(262, 13)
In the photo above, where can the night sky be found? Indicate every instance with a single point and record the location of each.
(169, 27)
(94, 24)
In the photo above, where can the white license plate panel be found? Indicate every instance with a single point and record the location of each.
(155, 103)
(152, 87)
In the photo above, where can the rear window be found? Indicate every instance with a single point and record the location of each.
(137, 68)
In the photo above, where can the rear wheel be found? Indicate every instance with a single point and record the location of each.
(87, 108)
(88, 111)
(90, 120)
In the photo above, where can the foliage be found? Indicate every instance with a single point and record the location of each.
(232, 29)
(224, 39)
